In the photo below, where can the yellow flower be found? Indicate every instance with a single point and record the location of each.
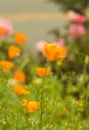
(25, 102)
(31, 106)
(13, 51)
(64, 109)
(53, 51)
(59, 63)
(43, 71)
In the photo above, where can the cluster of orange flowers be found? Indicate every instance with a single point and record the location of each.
(18, 76)
(31, 106)
(52, 52)
(13, 50)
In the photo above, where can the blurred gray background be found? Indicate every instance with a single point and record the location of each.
(33, 17)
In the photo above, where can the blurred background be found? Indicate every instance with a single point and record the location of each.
(35, 18)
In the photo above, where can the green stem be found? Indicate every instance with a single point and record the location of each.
(85, 90)
(42, 90)
(23, 65)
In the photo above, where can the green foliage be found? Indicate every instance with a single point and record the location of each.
(63, 95)
(67, 89)
(77, 5)
(61, 108)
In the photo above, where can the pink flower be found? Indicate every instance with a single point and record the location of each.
(60, 42)
(39, 46)
(6, 26)
(75, 17)
(76, 30)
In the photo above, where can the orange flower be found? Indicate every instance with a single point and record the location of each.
(43, 71)
(6, 65)
(20, 38)
(19, 76)
(18, 89)
(13, 51)
(2, 31)
(53, 51)
(31, 106)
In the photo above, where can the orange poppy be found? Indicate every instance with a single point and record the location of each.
(43, 71)
(31, 106)
(19, 76)
(18, 89)
(13, 51)
(2, 31)
(6, 65)
(53, 51)
(20, 38)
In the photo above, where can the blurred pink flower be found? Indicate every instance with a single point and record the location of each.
(75, 17)
(39, 46)
(6, 26)
(76, 30)
(60, 42)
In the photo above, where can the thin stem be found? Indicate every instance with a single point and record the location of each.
(42, 90)
(23, 65)
(85, 90)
